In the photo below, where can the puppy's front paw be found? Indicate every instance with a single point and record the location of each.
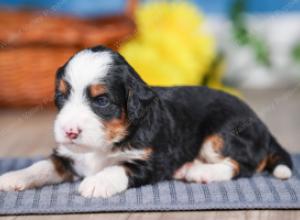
(14, 181)
(95, 186)
(107, 183)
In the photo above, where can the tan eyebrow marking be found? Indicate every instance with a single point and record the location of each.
(97, 89)
(62, 86)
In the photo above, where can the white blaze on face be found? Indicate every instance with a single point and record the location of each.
(85, 68)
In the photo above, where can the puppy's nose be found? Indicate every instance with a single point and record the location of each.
(73, 133)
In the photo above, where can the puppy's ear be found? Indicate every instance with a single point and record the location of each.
(139, 97)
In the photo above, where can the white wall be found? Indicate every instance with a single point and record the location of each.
(280, 32)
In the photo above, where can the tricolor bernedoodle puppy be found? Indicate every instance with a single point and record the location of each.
(115, 132)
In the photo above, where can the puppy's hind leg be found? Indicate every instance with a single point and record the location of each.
(210, 165)
(211, 172)
(50, 171)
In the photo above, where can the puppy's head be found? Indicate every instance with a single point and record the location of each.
(99, 96)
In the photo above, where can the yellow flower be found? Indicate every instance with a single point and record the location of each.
(172, 47)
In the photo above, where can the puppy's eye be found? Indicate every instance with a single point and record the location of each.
(60, 99)
(60, 95)
(102, 101)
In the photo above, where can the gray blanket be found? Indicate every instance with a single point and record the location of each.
(260, 192)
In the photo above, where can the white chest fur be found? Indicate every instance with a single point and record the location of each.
(84, 164)
(88, 164)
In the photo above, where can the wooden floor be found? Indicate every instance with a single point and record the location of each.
(28, 132)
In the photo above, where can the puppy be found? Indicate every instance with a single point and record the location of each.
(115, 132)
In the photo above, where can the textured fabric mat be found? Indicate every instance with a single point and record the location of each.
(259, 192)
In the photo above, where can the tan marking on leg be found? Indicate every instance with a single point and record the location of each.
(217, 142)
(148, 151)
(96, 90)
(262, 165)
(235, 166)
(211, 149)
(61, 169)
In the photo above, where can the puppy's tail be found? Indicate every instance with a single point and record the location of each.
(279, 162)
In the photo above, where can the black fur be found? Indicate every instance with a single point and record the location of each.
(60, 98)
(175, 121)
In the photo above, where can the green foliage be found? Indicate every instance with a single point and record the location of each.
(296, 53)
(244, 37)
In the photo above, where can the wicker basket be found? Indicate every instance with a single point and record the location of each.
(34, 44)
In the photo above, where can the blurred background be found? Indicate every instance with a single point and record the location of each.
(249, 48)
